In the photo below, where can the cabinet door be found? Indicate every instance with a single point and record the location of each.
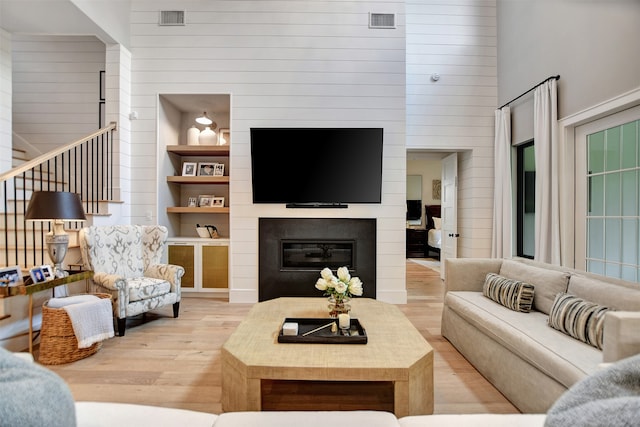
(215, 270)
(184, 255)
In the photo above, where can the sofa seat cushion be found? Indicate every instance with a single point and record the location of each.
(547, 283)
(474, 420)
(141, 288)
(109, 414)
(308, 419)
(529, 336)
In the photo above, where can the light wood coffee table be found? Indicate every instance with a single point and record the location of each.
(395, 354)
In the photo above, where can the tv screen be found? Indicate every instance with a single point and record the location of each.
(316, 165)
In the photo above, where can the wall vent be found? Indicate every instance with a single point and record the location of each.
(382, 20)
(171, 17)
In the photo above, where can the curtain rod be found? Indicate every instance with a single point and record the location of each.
(523, 94)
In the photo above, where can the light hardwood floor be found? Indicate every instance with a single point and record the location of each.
(175, 363)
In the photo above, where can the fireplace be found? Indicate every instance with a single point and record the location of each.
(293, 251)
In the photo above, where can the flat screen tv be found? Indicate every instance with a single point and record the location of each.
(316, 167)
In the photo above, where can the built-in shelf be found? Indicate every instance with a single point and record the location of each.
(199, 150)
(181, 209)
(198, 179)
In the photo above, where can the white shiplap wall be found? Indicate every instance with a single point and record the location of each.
(456, 39)
(117, 109)
(56, 78)
(5, 101)
(285, 63)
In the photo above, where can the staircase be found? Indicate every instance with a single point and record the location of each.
(85, 167)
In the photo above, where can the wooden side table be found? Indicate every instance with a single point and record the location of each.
(29, 290)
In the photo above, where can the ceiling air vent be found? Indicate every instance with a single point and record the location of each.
(171, 17)
(382, 20)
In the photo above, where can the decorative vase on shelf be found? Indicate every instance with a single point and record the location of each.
(193, 135)
(207, 137)
(338, 306)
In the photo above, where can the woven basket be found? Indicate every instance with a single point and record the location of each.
(58, 343)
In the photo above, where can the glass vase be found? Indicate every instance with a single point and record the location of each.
(338, 305)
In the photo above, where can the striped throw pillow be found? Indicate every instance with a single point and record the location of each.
(578, 318)
(513, 294)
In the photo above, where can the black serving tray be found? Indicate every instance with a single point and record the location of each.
(357, 334)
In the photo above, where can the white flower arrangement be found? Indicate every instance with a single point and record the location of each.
(341, 286)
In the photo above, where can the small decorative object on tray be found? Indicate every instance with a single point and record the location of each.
(321, 331)
(339, 289)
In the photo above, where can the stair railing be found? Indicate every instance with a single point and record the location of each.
(84, 167)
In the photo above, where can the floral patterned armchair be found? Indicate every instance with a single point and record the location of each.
(126, 261)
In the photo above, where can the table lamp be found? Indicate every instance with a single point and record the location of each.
(57, 207)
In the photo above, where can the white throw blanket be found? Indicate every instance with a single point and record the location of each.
(91, 317)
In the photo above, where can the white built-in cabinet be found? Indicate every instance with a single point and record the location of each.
(205, 262)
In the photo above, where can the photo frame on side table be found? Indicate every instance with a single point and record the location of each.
(37, 274)
(189, 169)
(10, 276)
(48, 272)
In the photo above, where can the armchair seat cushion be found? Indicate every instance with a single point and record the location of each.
(141, 288)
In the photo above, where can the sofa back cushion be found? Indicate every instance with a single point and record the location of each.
(608, 294)
(514, 294)
(547, 283)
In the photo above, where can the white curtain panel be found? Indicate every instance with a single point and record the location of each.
(547, 152)
(502, 205)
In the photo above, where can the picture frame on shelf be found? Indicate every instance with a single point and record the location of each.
(204, 200)
(206, 168)
(10, 276)
(217, 202)
(224, 136)
(218, 169)
(189, 169)
(193, 202)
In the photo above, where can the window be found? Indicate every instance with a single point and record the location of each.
(612, 217)
(525, 200)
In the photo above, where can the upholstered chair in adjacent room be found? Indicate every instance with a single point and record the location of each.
(126, 261)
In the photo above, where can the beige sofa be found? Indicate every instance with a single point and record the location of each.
(531, 363)
(52, 404)
(99, 414)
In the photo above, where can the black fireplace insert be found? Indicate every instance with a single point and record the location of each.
(293, 251)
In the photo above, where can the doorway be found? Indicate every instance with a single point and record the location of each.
(425, 235)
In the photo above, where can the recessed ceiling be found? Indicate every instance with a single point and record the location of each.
(197, 103)
(426, 155)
